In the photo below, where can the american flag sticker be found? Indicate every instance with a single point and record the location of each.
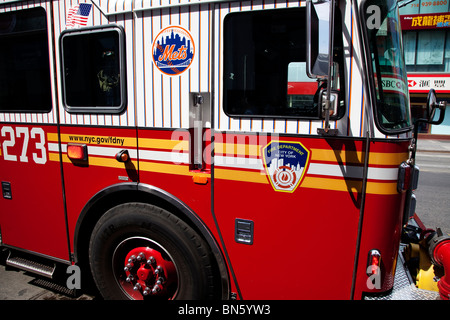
(78, 15)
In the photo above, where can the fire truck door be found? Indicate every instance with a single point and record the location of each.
(31, 204)
(98, 133)
(273, 217)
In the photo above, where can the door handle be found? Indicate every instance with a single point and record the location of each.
(199, 120)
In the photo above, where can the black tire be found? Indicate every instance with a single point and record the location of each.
(144, 225)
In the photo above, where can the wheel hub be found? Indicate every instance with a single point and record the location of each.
(148, 272)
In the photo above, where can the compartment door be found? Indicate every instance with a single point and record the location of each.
(32, 214)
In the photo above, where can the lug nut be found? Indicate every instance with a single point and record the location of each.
(160, 280)
(146, 291)
(141, 256)
(151, 260)
(137, 287)
(158, 270)
(128, 267)
(156, 289)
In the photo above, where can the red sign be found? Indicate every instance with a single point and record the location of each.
(425, 21)
(302, 88)
(422, 83)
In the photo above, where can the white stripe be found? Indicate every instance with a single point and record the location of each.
(239, 163)
(95, 151)
(109, 151)
(320, 169)
(352, 171)
(383, 173)
(335, 170)
(175, 157)
(53, 147)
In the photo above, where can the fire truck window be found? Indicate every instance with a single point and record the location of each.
(24, 62)
(265, 65)
(92, 63)
(388, 66)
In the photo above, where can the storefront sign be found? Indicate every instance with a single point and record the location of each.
(394, 84)
(425, 21)
(423, 83)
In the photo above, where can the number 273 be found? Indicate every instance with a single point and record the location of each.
(37, 134)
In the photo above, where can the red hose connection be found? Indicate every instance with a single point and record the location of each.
(439, 250)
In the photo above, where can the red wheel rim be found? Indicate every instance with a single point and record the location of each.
(144, 269)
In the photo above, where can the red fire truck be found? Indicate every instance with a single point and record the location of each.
(220, 149)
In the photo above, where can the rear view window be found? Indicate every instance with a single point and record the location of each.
(93, 70)
(24, 62)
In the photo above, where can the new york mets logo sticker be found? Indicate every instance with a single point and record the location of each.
(173, 50)
(285, 164)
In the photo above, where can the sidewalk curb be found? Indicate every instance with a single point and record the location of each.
(429, 136)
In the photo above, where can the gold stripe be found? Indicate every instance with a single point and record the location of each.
(93, 161)
(349, 185)
(68, 138)
(236, 175)
(164, 144)
(330, 184)
(237, 149)
(380, 158)
(382, 188)
(53, 156)
(341, 155)
(53, 137)
(170, 169)
(128, 141)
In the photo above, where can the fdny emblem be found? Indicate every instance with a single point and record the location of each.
(285, 164)
(173, 50)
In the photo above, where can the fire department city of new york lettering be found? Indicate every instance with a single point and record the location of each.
(238, 309)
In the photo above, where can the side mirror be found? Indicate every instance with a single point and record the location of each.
(333, 104)
(432, 105)
(318, 38)
(319, 52)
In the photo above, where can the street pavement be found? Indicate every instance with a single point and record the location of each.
(433, 200)
(16, 284)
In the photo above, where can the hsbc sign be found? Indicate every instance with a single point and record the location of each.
(394, 84)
